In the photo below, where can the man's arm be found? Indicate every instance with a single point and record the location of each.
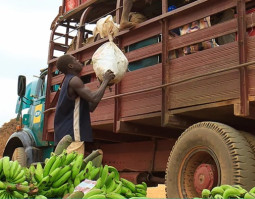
(76, 87)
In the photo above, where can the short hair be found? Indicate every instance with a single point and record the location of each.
(63, 61)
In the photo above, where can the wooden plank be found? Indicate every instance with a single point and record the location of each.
(204, 62)
(205, 90)
(196, 10)
(137, 34)
(87, 70)
(104, 111)
(57, 79)
(144, 52)
(203, 34)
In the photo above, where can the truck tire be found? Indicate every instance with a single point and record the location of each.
(208, 154)
(250, 139)
(19, 154)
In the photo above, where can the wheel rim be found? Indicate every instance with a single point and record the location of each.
(200, 169)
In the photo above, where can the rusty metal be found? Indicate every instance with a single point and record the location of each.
(165, 72)
(242, 44)
(205, 177)
(80, 35)
(164, 6)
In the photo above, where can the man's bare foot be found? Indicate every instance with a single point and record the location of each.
(126, 25)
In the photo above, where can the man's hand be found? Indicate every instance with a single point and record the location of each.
(108, 76)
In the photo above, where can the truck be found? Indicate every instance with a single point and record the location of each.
(182, 115)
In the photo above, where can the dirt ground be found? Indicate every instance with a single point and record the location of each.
(5, 132)
(156, 192)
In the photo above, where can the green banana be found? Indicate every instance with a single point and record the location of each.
(6, 166)
(40, 197)
(19, 176)
(249, 195)
(99, 183)
(125, 190)
(109, 178)
(17, 194)
(48, 165)
(145, 185)
(1, 164)
(70, 157)
(252, 190)
(140, 186)
(128, 184)
(93, 174)
(76, 181)
(113, 169)
(142, 191)
(77, 165)
(206, 193)
(18, 170)
(231, 192)
(62, 179)
(64, 170)
(114, 195)
(218, 196)
(93, 192)
(56, 164)
(110, 187)
(60, 190)
(118, 188)
(139, 195)
(44, 182)
(98, 196)
(225, 186)
(13, 168)
(104, 174)
(71, 188)
(54, 174)
(76, 195)
(217, 190)
(20, 180)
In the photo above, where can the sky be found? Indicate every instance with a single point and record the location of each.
(24, 42)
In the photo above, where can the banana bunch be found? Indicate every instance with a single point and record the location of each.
(58, 175)
(110, 185)
(13, 180)
(228, 191)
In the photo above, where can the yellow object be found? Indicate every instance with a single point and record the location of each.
(38, 114)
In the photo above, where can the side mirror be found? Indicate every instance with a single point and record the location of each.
(21, 86)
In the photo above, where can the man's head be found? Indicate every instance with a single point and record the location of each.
(69, 64)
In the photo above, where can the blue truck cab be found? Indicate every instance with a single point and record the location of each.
(26, 144)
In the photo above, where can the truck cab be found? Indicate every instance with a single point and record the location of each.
(26, 144)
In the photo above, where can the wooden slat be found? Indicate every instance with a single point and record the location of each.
(87, 70)
(145, 102)
(204, 62)
(138, 34)
(206, 90)
(57, 79)
(104, 111)
(203, 35)
(251, 71)
(144, 52)
(196, 10)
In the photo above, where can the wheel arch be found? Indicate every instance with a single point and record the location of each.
(20, 139)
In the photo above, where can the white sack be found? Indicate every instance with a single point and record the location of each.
(109, 57)
(106, 27)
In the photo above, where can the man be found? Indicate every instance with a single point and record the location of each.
(127, 6)
(76, 101)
